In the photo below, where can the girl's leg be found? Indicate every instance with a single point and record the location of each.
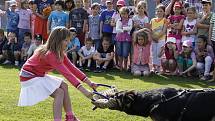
(58, 96)
(172, 66)
(67, 103)
(164, 64)
(125, 63)
(137, 73)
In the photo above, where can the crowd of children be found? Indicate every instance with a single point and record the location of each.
(178, 40)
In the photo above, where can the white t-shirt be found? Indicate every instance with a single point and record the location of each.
(87, 52)
(141, 21)
(189, 26)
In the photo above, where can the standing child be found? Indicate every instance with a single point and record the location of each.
(189, 30)
(73, 46)
(141, 53)
(186, 59)
(104, 55)
(86, 54)
(37, 85)
(159, 27)
(78, 19)
(170, 51)
(24, 24)
(94, 24)
(140, 19)
(41, 18)
(12, 18)
(175, 23)
(58, 17)
(123, 37)
(105, 20)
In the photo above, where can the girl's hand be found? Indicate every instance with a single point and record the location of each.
(86, 92)
(90, 83)
(174, 47)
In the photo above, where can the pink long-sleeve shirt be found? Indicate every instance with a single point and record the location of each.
(39, 66)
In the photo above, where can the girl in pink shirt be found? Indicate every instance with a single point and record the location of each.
(141, 53)
(37, 85)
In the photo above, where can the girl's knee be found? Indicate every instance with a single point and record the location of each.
(137, 73)
(58, 92)
(64, 86)
(146, 73)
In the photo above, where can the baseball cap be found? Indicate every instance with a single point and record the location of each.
(171, 39)
(13, 4)
(178, 4)
(120, 3)
(108, 1)
(72, 29)
(38, 37)
(187, 43)
(206, 1)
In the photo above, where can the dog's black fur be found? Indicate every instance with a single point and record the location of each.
(172, 104)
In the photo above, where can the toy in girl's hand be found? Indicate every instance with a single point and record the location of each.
(103, 97)
(47, 10)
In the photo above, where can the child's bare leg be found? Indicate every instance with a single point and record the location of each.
(89, 62)
(120, 62)
(125, 63)
(66, 100)
(58, 96)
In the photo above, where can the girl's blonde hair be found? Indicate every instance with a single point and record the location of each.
(144, 35)
(123, 10)
(144, 4)
(55, 42)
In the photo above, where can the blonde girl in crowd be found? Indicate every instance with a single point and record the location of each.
(159, 27)
(123, 38)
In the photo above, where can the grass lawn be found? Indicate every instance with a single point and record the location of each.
(10, 88)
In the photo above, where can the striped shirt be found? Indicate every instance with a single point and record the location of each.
(213, 28)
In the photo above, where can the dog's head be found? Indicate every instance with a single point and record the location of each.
(132, 102)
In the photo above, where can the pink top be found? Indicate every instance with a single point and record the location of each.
(141, 54)
(38, 67)
(175, 32)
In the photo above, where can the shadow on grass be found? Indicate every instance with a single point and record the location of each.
(157, 79)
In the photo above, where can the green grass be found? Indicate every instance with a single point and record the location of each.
(10, 88)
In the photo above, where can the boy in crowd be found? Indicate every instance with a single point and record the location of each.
(105, 25)
(94, 24)
(104, 55)
(78, 19)
(3, 40)
(25, 46)
(58, 17)
(11, 50)
(204, 55)
(86, 54)
(38, 41)
(73, 46)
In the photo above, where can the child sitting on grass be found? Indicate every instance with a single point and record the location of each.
(73, 46)
(86, 54)
(104, 55)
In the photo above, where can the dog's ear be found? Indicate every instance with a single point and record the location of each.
(129, 98)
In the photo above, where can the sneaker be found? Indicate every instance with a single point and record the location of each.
(71, 118)
(103, 69)
(97, 70)
(205, 78)
(87, 69)
(81, 68)
(16, 63)
(7, 62)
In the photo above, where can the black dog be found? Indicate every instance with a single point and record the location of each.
(166, 104)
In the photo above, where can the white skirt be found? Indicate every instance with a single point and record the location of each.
(38, 89)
